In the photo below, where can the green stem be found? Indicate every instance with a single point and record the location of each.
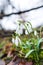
(37, 58)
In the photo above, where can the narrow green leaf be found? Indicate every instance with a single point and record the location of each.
(39, 42)
(29, 53)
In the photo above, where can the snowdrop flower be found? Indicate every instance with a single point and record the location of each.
(28, 27)
(13, 40)
(16, 40)
(19, 29)
(35, 33)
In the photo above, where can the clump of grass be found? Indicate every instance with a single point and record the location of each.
(29, 46)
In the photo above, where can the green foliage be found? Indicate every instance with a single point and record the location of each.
(31, 48)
